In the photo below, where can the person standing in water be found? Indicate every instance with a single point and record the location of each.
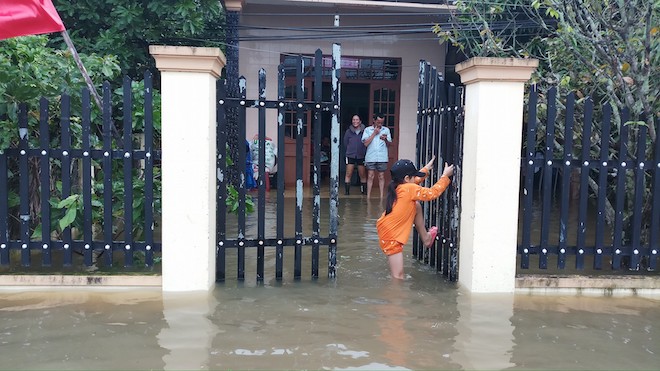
(355, 152)
(376, 138)
(402, 208)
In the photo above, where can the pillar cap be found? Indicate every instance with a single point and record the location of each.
(496, 69)
(188, 59)
(234, 5)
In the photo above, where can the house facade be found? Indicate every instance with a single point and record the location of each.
(381, 42)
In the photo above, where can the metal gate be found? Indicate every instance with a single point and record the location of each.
(272, 244)
(440, 133)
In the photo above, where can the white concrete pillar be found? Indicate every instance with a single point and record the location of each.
(491, 171)
(188, 80)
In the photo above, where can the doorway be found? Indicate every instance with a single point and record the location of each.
(354, 100)
(368, 85)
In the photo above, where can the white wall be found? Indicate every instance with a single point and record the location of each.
(266, 54)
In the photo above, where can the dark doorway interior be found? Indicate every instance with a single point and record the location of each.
(354, 100)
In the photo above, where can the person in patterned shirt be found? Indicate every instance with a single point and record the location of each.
(377, 139)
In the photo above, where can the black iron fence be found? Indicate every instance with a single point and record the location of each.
(440, 134)
(591, 187)
(78, 189)
(271, 244)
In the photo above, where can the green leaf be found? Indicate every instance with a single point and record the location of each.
(67, 201)
(68, 219)
(36, 235)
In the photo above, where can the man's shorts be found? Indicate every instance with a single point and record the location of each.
(391, 247)
(378, 166)
(354, 161)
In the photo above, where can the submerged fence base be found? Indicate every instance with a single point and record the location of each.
(588, 285)
(21, 281)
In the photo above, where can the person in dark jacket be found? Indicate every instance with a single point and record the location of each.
(355, 151)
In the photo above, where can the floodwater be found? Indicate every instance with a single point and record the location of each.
(361, 320)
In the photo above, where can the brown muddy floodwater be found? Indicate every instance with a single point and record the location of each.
(361, 320)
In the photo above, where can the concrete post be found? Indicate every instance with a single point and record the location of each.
(188, 80)
(491, 171)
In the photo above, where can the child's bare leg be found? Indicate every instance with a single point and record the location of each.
(420, 227)
(396, 265)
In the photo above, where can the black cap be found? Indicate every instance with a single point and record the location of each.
(405, 167)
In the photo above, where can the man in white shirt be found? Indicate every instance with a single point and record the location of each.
(376, 138)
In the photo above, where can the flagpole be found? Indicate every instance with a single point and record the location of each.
(82, 69)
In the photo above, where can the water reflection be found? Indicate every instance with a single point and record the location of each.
(596, 333)
(59, 329)
(190, 332)
(360, 321)
(485, 332)
(392, 315)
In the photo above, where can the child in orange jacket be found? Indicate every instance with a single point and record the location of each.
(402, 208)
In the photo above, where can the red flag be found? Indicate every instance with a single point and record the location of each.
(28, 17)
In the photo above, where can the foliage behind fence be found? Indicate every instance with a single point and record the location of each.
(80, 185)
(581, 160)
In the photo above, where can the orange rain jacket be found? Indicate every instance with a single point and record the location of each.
(396, 225)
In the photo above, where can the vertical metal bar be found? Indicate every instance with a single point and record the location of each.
(457, 159)
(316, 186)
(421, 107)
(261, 211)
(602, 188)
(4, 210)
(234, 140)
(281, 164)
(426, 150)
(44, 165)
(66, 172)
(24, 185)
(654, 231)
(584, 183)
(436, 125)
(442, 264)
(425, 79)
(242, 166)
(548, 174)
(639, 173)
(446, 140)
(451, 128)
(148, 169)
(222, 180)
(128, 172)
(566, 180)
(334, 160)
(529, 166)
(87, 177)
(451, 116)
(421, 111)
(107, 175)
(427, 140)
(619, 206)
(300, 136)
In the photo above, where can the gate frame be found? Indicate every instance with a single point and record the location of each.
(240, 242)
(440, 134)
